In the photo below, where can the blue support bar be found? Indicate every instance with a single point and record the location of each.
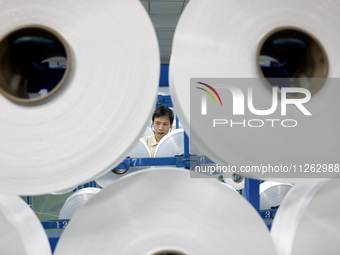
(252, 191)
(164, 76)
(186, 145)
(177, 160)
(164, 161)
(186, 150)
(55, 224)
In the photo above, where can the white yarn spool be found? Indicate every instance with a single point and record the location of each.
(164, 211)
(84, 128)
(76, 201)
(308, 221)
(21, 232)
(272, 194)
(223, 45)
(173, 144)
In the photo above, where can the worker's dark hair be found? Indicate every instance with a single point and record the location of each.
(161, 111)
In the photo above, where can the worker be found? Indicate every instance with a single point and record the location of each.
(162, 120)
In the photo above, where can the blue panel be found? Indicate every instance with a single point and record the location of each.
(53, 238)
(164, 77)
(252, 191)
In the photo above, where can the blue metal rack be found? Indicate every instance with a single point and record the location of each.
(251, 190)
(178, 161)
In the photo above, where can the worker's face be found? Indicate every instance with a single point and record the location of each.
(161, 126)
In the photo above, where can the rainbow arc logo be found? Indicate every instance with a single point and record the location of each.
(204, 98)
